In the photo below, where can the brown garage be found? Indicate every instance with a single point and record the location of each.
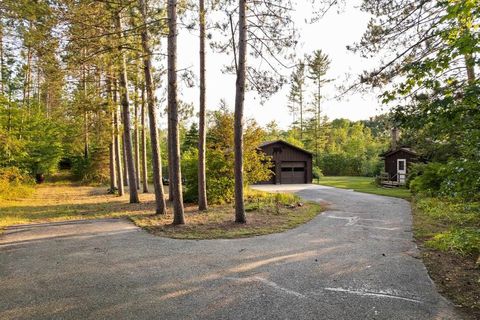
(291, 164)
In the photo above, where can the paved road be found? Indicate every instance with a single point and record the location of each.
(355, 261)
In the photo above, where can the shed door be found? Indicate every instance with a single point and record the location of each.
(401, 170)
(293, 172)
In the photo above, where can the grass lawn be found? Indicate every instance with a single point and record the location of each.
(363, 184)
(62, 201)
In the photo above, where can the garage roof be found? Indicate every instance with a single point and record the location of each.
(267, 143)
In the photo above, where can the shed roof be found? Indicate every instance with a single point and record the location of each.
(404, 149)
(267, 143)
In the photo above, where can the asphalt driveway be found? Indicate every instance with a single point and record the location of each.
(355, 261)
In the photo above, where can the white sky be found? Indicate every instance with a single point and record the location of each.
(331, 34)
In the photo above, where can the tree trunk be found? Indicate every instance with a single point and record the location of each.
(111, 147)
(86, 147)
(2, 90)
(136, 136)
(161, 207)
(202, 184)
(144, 147)
(240, 216)
(126, 118)
(26, 84)
(470, 65)
(176, 178)
(300, 102)
(171, 194)
(118, 152)
(124, 152)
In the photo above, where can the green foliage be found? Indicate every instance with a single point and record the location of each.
(429, 179)
(34, 145)
(448, 224)
(463, 241)
(438, 92)
(94, 169)
(220, 182)
(14, 183)
(344, 147)
(257, 200)
(317, 172)
(462, 180)
(453, 179)
(220, 160)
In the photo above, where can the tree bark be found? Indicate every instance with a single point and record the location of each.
(111, 147)
(144, 144)
(124, 152)
(470, 65)
(126, 118)
(176, 178)
(118, 152)
(202, 184)
(240, 216)
(161, 207)
(86, 147)
(171, 194)
(2, 90)
(136, 136)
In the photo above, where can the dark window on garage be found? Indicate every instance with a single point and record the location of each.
(302, 169)
(287, 169)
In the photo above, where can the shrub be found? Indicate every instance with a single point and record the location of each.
(414, 170)
(95, 169)
(220, 177)
(463, 241)
(430, 179)
(317, 172)
(340, 164)
(14, 183)
(458, 178)
(462, 179)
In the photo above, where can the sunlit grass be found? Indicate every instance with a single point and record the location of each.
(448, 224)
(266, 213)
(364, 184)
(62, 201)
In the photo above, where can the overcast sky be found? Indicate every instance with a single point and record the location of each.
(331, 34)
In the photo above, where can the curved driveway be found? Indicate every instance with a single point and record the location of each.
(355, 261)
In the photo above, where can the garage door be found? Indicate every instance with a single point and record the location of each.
(293, 172)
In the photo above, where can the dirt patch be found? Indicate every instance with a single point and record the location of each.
(457, 278)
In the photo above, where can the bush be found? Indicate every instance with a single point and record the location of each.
(429, 179)
(339, 164)
(463, 241)
(14, 183)
(462, 179)
(454, 179)
(317, 172)
(95, 169)
(220, 177)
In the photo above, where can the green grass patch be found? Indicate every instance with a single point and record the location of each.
(364, 184)
(60, 201)
(448, 224)
(266, 213)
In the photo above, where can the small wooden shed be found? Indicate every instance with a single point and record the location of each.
(291, 164)
(397, 163)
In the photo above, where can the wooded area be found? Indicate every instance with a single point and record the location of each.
(91, 91)
(80, 84)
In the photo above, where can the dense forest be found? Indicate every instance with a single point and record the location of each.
(84, 85)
